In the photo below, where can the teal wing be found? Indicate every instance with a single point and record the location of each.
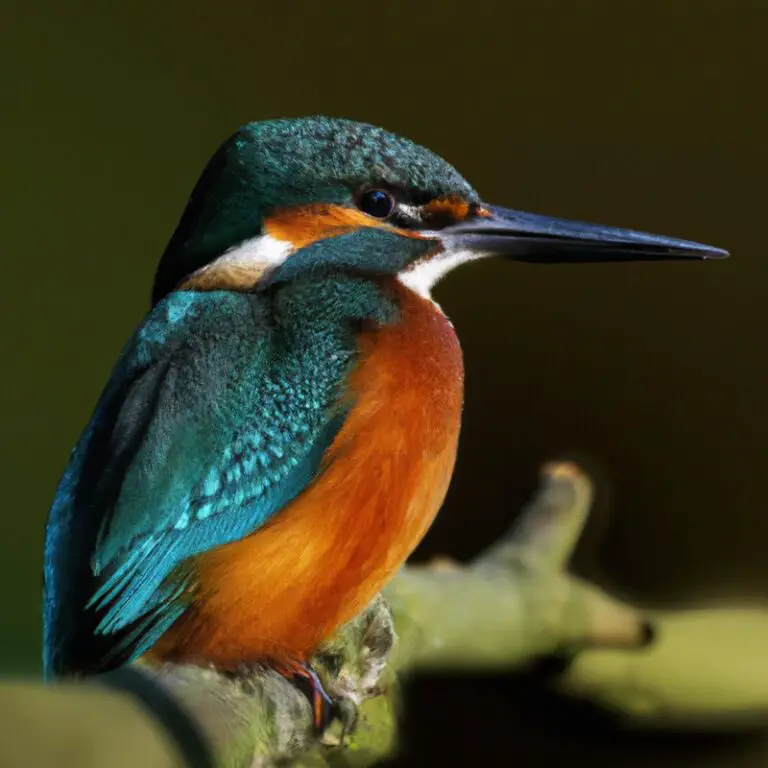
(212, 421)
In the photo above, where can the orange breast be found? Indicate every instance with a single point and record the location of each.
(278, 593)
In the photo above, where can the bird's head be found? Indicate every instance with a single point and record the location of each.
(292, 197)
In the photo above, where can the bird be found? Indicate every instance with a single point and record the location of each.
(280, 430)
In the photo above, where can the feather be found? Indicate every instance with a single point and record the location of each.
(215, 417)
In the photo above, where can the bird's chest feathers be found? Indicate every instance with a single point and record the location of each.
(403, 428)
(323, 557)
(387, 472)
(389, 467)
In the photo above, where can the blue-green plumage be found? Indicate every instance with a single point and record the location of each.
(218, 413)
(223, 405)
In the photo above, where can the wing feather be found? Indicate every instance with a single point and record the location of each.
(209, 425)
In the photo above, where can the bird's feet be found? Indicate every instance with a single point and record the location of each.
(351, 664)
(324, 708)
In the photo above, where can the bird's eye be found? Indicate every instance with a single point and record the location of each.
(377, 203)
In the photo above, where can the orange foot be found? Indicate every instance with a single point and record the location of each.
(324, 708)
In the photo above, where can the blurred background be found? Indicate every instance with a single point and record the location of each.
(645, 114)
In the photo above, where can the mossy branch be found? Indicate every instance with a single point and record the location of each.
(514, 605)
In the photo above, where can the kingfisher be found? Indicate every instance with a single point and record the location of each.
(280, 431)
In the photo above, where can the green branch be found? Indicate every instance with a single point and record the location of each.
(515, 604)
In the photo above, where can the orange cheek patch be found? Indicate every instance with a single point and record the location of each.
(448, 207)
(304, 225)
(307, 224)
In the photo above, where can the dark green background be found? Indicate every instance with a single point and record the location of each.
(644, 114)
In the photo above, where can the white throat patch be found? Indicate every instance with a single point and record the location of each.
(424, 275)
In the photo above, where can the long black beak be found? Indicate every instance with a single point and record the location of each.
(542, 239)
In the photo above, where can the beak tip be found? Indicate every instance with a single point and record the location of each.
(708, 252)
